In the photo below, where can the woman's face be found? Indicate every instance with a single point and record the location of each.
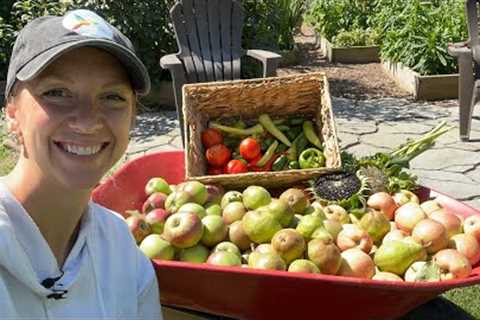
(74, 118)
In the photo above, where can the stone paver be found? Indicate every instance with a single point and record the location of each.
(366, 127)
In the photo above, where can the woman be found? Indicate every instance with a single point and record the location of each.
(71, 92)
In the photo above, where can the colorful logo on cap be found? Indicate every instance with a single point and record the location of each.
(87, 23)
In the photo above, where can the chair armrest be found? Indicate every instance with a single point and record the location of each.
(269, 60)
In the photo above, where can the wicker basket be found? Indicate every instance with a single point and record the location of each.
(306, 94)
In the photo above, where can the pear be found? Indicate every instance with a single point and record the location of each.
(397, 255)
(376, 224)
(308, 224)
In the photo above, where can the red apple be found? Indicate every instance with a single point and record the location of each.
(395, 235)
(451, 222)
(356, 263)
(233, 211)
(453, 264)
(155, 200)
(215, 193)
(466, 244)
(404, 196)
(408, 215)
(157, 184)
(227, 246)
(156, 219)
(471, 225)
(237, 235)
(431, 234)
(193, 208)
(384, 202)
(138, 227)
(352, 236)
(183, 229)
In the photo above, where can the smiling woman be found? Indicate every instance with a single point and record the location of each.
(71, 92)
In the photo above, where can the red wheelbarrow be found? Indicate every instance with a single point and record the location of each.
(244, 293)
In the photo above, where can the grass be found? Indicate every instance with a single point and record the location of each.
(8, 157)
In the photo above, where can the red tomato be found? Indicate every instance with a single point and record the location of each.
(249, 148)
(236, 166)
(218, 155)
(214, 170)
(211, 137)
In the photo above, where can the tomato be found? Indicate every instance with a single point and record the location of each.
(218, 155)
(211, 137)
(236, 166)
(214, 170)
(249, 148)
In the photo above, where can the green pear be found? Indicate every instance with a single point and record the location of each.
(260, 226)
(397, 255)
(308, 224)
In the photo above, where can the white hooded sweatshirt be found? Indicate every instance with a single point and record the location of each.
(105, 276)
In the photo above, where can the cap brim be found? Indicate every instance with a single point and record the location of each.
(135, 68)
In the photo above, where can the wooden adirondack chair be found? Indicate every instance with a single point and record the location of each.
(209, 35)
(468, 55)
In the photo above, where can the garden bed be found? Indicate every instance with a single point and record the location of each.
(357, 54)
(433, 87)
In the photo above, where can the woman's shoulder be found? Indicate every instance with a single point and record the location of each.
(108, 221)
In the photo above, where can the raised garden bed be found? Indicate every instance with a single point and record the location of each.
(358, 54)
(434, 87)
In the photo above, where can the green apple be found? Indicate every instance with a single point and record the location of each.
(296, 198)
(231, 196)
(155, 247)
(157, 184)
(183, 229)
(282, 211)
(303, 265)
(260, 226)
(194, 208)
(237, 235)
(227, 246)
(270, 261)
(215, 230)
(289, 244)
(195, 254)
(325, 254)
(213, 209)
(197, 190)
(255, 197)
(175, 200)
(308, 224)
(224, 258)
(233, 211)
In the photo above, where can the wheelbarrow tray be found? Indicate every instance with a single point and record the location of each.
(244, 293)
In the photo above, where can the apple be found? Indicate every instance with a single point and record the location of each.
(352, 236)
(395, 235)
(308, 224)
(422, 271)
(296, 199)
(375, 223)
(138, 227)
(155, 200)
(289, 244)
(233, 211)
(237, 235)
(451, 222)
(197, 191)
(156, 219)
(408, 215)
(155, 247)
(193, 208)
(431, 234)
(231, 196)
(404, 196)
(264, 248)
(386, 276)
(213, 209)
(215, 230)
(255, 197)
(383, 202)
(224, 258)
(214, 193)
(175, 200)
(157, 184)
(270, 261)
(467, 245)
(453, 264)
(303, 265)
(196, 254)
(471, 225)
(260, 226)
(183, 229)
(356, 263)
(336, 212)
(282, 211)
(227, 246)
(430, 206)
(322, 233)
(325, 254)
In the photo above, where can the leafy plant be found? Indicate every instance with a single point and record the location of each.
(356, 37)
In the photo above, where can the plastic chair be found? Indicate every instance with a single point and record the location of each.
(468, 55)
(209, 35)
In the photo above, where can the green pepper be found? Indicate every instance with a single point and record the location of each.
(236, 131)
(283, 128)
(310, 134)
(311, 158)
(265, 143)
(280, 163)
(294, 132)
(268, 154)
(293, 165)
(267, 123)
(300, 142)
(296, 121)
(281, 148)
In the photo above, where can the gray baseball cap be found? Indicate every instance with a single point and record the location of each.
(46, 38)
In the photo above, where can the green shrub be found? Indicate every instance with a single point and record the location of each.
(356, 37)
(416, 33)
